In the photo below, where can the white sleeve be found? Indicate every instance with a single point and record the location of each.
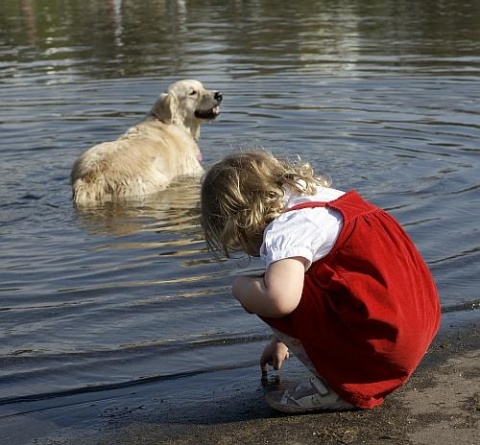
(309, 233)
(291, 235)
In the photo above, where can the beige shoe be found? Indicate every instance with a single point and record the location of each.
(303, 397)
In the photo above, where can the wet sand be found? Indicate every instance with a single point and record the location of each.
(440, 405)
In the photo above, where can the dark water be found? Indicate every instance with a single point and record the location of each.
(383, 95)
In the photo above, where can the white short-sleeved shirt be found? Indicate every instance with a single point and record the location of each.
(309, 233)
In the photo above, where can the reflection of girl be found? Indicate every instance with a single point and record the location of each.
(344, 288)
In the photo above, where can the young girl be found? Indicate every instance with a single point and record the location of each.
(344, 288)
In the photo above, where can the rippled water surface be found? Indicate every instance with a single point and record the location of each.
(382, 95)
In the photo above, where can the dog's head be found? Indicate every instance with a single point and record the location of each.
(187, 103)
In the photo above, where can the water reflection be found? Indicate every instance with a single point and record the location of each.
(124, 35)
(176, 208)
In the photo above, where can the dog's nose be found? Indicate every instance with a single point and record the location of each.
(218, 96)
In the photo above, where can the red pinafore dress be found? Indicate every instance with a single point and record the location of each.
(369, 309)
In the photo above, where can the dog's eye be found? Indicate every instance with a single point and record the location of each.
(193, 93)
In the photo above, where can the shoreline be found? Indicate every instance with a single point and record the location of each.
(439, 405)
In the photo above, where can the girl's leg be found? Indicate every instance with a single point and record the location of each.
(311, 395)
(296, 347)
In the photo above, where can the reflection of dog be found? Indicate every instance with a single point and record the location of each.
(150, 154)
(171, 212)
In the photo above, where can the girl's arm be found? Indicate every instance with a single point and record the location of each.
(277, 293)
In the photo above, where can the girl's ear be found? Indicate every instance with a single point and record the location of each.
(165, 108)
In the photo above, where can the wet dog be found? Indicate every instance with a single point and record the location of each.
(157, 150)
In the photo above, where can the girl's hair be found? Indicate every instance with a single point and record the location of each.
(242, 194)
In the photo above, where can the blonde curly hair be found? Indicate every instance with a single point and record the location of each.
(242, 194)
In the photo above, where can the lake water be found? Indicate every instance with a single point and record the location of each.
(123, 302)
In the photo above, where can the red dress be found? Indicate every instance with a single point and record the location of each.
(369, 309)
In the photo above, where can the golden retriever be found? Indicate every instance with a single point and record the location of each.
(152, 153)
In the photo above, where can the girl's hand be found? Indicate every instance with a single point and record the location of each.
(274, 354)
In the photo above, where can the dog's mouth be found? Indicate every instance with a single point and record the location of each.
(210, 114)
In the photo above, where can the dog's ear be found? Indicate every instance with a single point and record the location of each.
(165, 108)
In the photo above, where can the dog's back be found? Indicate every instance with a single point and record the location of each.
(143, 161)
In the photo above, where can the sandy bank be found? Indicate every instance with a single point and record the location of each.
(439, 406)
